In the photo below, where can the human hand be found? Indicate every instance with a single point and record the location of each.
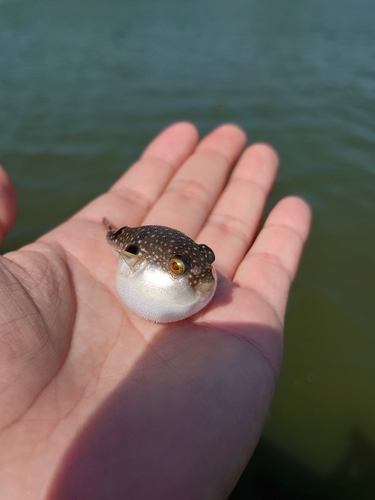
(97, 403)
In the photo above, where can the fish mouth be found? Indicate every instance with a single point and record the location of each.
(208, 287)
(205, 287)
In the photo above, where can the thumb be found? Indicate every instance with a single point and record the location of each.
(8, 204)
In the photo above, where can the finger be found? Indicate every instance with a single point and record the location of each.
(194, 189)
(131, 197)
(234, 221)
(8, 204)
(271, 264)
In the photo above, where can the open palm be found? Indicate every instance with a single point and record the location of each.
(97, 403)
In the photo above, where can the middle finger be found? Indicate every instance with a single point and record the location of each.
(233, 223)
(194, 189)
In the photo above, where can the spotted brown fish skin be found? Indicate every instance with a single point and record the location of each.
(158, 244)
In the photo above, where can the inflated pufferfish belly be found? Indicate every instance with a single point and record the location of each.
(162, 275)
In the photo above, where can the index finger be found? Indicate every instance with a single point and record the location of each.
(131, 197)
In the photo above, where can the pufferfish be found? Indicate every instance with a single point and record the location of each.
(162, 275)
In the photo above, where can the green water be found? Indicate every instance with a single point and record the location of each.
(84, 85)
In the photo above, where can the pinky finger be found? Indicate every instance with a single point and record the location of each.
(8, 204)
(271, 264)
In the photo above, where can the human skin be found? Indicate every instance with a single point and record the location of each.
(97, 403)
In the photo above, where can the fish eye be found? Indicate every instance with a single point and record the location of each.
(132, 249)
(178, 264)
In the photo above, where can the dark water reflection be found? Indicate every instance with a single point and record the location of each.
(273, 475)
(85, 85)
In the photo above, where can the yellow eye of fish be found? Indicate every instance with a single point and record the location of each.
(177, 265)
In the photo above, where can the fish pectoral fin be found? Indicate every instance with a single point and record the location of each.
(131, 259)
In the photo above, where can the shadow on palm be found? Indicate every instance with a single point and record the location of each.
(195, 400)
